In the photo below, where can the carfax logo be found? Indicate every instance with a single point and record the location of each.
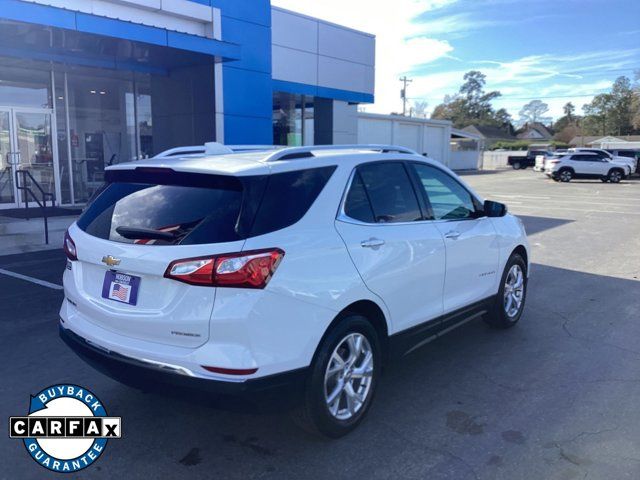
(67, 428)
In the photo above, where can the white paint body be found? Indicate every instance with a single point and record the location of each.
(415, 277)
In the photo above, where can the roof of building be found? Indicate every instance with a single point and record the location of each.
(542, 130)
(486, 131)
(589, 139)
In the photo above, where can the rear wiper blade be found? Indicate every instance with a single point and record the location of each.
(139, 233)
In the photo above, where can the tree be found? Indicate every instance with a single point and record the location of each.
(635, 103)
(569, 109)
(472, 105)
(620, 115)
(596, 114)
(420, 108)
(533, 111)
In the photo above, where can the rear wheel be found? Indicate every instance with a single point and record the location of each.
(565, 175)
(615, 176)
(511, 297)
(342, 379)
(516, 165)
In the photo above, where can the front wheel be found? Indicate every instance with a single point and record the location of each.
(615, 176)
(342, 379)
(512, 294)
(565, 175)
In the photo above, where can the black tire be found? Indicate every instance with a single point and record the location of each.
(565, 175)
(497, 317)
(516, 165)
(604, 179)
(314, 415)
(615, 175)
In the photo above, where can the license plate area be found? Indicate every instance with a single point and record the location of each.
(121, 287)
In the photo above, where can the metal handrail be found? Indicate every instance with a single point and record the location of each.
(42, 204)
(300, 152)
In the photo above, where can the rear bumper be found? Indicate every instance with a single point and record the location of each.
(280, 390)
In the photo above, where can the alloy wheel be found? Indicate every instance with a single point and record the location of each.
(513, 291)
(565, 176)
(347, 380)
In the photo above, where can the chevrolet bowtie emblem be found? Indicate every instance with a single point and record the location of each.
(111, 261)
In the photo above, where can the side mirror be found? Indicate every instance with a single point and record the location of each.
(494, 209)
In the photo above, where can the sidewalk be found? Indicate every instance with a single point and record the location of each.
(20, 235)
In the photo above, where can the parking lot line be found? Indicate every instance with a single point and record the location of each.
(589, 210)
(37, 281)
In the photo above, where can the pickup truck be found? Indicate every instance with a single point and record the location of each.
(524, 161)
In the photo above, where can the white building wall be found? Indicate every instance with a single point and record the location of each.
(425, 136)
(313, 52)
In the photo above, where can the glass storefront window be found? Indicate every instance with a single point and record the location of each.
(67, 123)
(98, 129)
(22, 87)
(293, 122)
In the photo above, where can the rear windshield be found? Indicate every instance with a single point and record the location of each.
(169, 208)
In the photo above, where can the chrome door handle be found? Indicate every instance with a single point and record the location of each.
(372, 243)
(452, 234)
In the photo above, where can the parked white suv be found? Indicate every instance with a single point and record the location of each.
(295, 273)
(632, 163)
(566, 167)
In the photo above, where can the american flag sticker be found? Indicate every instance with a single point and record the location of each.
(121, 287)
(120, 292)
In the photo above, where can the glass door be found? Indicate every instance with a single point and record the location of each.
(34, 142)
(26, 143)
(7, 154)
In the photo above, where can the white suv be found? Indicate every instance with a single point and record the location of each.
(566, 167)
(291, 274)
(632, 163)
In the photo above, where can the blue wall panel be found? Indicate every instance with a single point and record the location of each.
(247, 89)
(254, 39)
(255, 11)
(247, 93)
(248, 130)
(324, 92)
(119, 29)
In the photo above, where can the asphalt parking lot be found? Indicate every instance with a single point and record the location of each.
(554, 398)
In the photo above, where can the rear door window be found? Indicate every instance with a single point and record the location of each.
(390, 192)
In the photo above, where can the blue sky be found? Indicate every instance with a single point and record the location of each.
(554, 50)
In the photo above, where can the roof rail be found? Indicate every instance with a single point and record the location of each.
(213, 148)
(291, 153)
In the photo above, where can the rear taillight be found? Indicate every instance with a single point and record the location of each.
(69, 247)
(251, 269)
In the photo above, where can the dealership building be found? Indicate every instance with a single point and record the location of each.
(89, 83)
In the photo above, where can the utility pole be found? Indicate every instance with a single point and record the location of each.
(403, 93)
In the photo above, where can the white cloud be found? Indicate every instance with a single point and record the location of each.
(400, 42)
(404, 43)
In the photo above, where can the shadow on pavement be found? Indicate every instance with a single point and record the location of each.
(535, 225)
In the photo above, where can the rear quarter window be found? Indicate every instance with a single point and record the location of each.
(287, 197)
